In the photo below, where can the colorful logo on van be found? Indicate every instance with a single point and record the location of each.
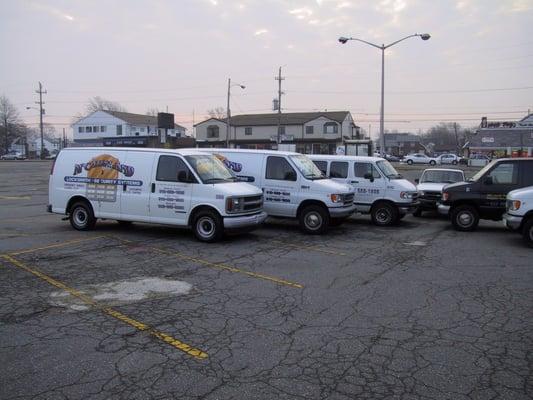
(104, 166)
(234, 166)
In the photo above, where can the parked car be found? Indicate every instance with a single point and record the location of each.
(484, 195)
(419, 159)
(13, 156)
(173, 187)
(293, 186)
(448, 159)
(519, 213)
(430, 186)
(392, 158)
(379, 189)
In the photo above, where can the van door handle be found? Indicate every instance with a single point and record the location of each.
(153, 187)
(354, 181)
(304, 187)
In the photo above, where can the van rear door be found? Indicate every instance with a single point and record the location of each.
(171, 190)
(135, 190)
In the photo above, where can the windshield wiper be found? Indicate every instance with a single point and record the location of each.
(208, 180)
(314, 177)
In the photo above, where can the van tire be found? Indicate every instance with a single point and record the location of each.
(81, 216)
(384, 214)
(527, 232)
(207, 226)
(465, 218)
(314, 220)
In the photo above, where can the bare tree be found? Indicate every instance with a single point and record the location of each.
(153, 111)
(10, 121)
(217, 112)
(99, 103)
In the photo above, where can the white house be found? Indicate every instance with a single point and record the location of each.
(311, 132)
(110, 126)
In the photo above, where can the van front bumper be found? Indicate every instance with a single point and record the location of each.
(512, 221)
(443, 209)
(342, 212)
(245, 221)
(407, 208)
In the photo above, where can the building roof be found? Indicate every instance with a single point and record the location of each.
(501, 138)
(285, 118)
(137, 119)
(392, 139)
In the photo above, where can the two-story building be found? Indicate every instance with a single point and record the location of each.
(310, 132)
(105, 127)
(401, 144)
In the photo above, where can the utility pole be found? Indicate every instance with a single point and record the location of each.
(228, 115)
(279, 78)
(41, 112)
(456, 137)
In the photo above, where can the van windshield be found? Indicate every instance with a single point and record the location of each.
(307, 167)
(481, 172)
(388, 170)
(210, 169)
(441, 176)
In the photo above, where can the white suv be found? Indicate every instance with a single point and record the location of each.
(418, 158)
(519, 212)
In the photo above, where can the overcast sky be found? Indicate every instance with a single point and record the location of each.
(154, 54)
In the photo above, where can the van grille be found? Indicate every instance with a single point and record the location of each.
(252, 203)
(431, 195)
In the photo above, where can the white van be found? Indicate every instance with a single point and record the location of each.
(379, 189)
(292, 186)
(174, 187)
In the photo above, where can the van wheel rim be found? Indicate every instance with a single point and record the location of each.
(465, 219)
(383, 216)
(205, 227)
(313, 221)
(80, 216)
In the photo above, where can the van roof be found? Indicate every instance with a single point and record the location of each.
(444, 169)
(183, 152)
(344, 158)
(268, 152)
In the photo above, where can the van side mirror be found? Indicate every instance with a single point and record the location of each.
(417, 181)
(183, 177)
(488, 180)
(369, 176)
(290, 176)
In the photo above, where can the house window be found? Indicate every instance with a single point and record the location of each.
(310, 129)
(103, 128)
(88, 129)
(248, 130)
(80, 129)
(96, 128)
(281, 130)
(212, 131)
(331, 127)
(119, 130)
(142, 130)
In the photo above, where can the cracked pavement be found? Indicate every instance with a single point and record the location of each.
(450, 317)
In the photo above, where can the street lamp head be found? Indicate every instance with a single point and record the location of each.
(242, 86)
(343, 39)
(425, 36)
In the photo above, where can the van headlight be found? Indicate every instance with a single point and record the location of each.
(445, 196)
(513, 205)
(234, 204)
(336, 198)
(421, 193)
(407, 195)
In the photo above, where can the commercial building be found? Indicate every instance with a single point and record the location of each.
(401, 144)
(114, 128)
(311, 132)
(503, 139)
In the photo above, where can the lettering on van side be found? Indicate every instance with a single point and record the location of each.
(277, 196)
(367, 191)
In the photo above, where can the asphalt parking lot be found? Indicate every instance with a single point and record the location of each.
(417, 311)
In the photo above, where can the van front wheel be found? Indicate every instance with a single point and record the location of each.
(527, 232)
(81, 216)
(208, 226)
(464, 218)
(314, 220)
(384, 214)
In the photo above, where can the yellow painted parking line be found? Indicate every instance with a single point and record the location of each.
(218, 265)
(308, 247)
(15, 197)
(52, 246)
(194, 352)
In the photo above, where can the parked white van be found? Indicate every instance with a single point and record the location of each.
(174, 187)
(292, 186)
(379, 189)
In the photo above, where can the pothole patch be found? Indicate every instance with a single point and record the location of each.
(122, 292)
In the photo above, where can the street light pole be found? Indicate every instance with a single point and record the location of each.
(228, 112)
(343, 40)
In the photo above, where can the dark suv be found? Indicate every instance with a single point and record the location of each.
(483, 196)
